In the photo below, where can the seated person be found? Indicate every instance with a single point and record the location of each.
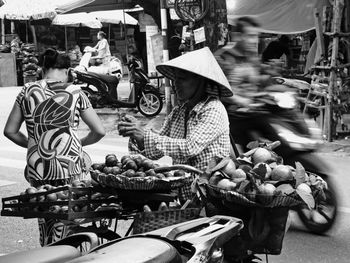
(102, 48)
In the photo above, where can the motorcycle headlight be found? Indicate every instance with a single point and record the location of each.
(295, 141)
(285, 100)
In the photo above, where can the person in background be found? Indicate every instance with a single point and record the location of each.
(78, 52)
(102, 48)
(133, 56)
(134, 62)
(197, 129)
(16, 44)
(52, 109)
(275, 49)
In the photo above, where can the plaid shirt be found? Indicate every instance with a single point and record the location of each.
(205, 135)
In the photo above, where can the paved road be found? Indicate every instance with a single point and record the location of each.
(299, 246)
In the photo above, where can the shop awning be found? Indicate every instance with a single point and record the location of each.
(114, 17)
(277, 16)
(76, 20)
(38, 9)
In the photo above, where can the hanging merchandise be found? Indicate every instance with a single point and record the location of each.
(199, 35)
(30, 66)
(191, 10)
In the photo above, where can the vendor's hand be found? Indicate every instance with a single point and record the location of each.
(128, 118)
(130, 127)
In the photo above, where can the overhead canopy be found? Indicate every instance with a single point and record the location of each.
(102, 5)
(67, 5)
(25, 10)
(76, 20)
(114, 17)
(277, 16)
(38, 9)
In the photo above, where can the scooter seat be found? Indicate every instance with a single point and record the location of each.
(133, 250)
(60, 253)
(106, 78)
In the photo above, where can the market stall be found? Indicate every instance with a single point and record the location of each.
(256, 185)
(29, 11)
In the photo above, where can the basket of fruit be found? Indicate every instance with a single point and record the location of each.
(259, 178)
(67, 202)
(137, 173)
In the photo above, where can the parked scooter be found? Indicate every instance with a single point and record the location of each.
(101, 89)
(277, 118)
(199, 240)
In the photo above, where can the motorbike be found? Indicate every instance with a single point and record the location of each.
(276, 117)
(198, 240)
(102, 90)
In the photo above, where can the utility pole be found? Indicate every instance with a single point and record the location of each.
(337, 15)
(164, 25)
(3, 31)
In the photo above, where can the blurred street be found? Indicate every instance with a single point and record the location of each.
(299, 245)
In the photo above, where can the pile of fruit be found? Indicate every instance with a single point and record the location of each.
(74, 198)
(135, 173)
(259, 177)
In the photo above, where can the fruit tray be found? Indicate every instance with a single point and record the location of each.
(256, 200)
(140, 183)
(147, 183)
(76, 202)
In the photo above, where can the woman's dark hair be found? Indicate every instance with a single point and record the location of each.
(53, 59)
(284, 39)
(101, 33)
(244, 21)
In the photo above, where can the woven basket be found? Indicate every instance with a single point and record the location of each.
(149, 221)
(140, 183)
(254, 200)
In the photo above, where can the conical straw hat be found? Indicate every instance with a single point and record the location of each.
(201, 62)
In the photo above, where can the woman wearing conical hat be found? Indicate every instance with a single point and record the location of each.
(197, 129)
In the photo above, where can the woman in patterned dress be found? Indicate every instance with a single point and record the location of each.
(52, 109)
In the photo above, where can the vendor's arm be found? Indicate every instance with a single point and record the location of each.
(13, 125)
(210, 124)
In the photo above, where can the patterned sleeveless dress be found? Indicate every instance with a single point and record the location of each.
(51, 112)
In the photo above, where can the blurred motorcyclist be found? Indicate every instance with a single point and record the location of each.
(240, 62)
